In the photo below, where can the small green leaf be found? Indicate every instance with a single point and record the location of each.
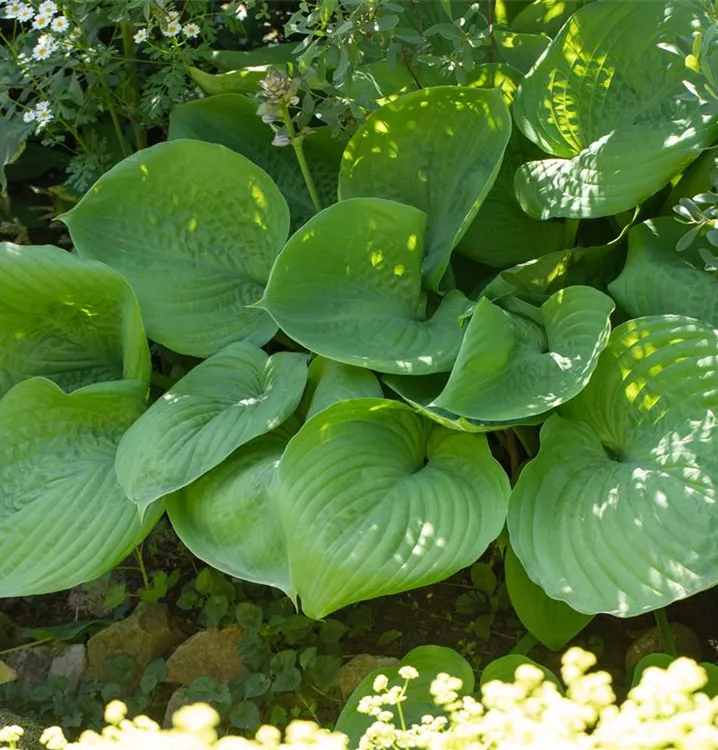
(287, 681)
(257, 685)
(245, 715)
(249, 616)
(331, 631)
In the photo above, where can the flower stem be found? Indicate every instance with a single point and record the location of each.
(129, 48)
(298, 145)
(668, 642)
(141, 565)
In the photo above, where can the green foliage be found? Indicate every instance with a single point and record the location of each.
(369, 397)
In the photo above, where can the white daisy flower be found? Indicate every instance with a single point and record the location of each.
(44, 48)
(191, 30)
(41, 21)
(60, 24)
(141, 36)
(43, 118)
(48, 8)
(172, 15)
(42, 107)
(13, 10)
(29, 116)
(241, 12)
(173, 28)
(26, 13)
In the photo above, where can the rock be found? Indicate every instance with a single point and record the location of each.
(176, 701)
(9, 632)
(147, 634)
(31, 739)
(71, 665)
(88, 599)
(31, 664)
(209, 653)
(354, 671)
(687, 644)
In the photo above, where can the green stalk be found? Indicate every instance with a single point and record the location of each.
(668, 642)
(122, 142)
(525, 645)
(128, 48)
(298, 145)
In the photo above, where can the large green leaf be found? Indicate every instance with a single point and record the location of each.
(63, 518)
(231, 120)
(438, 149)
(552, 622)
(238, 394)
(513, 366)
(355, 296)
(504, 669)
(375, 500)
(617, 512)
(502, 234)
(227, 519)
(429, 661)
(195, 229)
(608, 104)
(330, 382)
(12, 143)
(72, 321)
(659, 280)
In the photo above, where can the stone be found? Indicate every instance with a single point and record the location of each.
(33, 731)
(147, 634)
(177, 700)
(88, 599)
(353, 672)
(209, 653)
(31, 664)
(71, 664)
(687, 644)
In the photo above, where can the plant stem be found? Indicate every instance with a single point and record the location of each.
(128, 48)
(491, 30)
(122, 142)
(24, 646)
(298, 145)
(524, 645)
(668, 642)
(141, 564)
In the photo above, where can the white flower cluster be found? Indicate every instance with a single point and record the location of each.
(45, 16)
(40, 113)
(171, 27)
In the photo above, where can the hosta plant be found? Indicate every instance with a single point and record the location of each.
(357, 391)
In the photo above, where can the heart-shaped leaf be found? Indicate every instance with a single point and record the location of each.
(224, 402)
(617, 512)
(659, 280)
(227, 519)
(438, 149)
(375, 500)
(513, 366)
(356, 297)
(57, 462)
(72, 321)
(610, 107)
(504, 669)
(195, 228)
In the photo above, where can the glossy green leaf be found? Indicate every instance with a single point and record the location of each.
(512, 366)
(238, 394)
(231, 120)
(552, 622)
(520, 50)
(64, 519)
(12, 144)
(438, 149)
(609, 106)
(504, 669)
(356, 296)
(429, 661)
(658, 280)
(330, 382)
(227, 519)
(195, 229)
(617, 512)
(72, 321)
(375, 500)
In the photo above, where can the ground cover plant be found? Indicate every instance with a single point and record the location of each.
(362, 318)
